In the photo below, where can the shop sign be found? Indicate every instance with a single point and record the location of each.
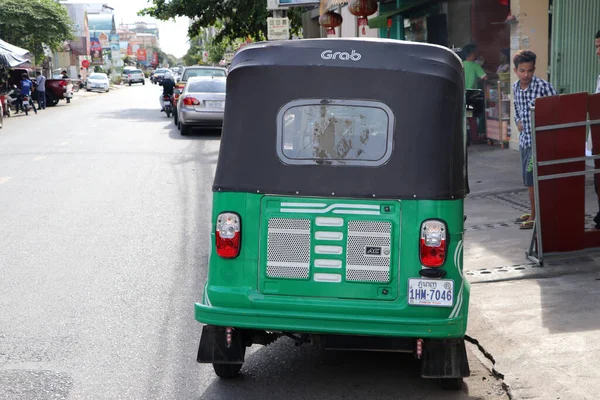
(278, 28)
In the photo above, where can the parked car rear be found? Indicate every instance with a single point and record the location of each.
(195, 71)
(202, 103)
(135, 76)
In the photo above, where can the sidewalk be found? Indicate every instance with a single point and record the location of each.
(540, 325)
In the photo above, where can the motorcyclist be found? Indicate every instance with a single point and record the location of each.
(168, 85)
(26, 90)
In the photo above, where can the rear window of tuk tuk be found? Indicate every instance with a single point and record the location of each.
(335, 132)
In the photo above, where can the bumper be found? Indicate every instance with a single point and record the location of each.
(201, 118)
(347, 319)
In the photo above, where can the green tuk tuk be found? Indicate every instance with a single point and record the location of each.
(338, 204)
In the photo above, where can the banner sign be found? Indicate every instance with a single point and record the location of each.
(96, 51)
(141, 55)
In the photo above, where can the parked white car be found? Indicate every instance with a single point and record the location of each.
(97, 81)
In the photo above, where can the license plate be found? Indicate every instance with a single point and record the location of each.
(431, 292)
(26, 102)
(469, 114)
(215, 104)
(97, 86)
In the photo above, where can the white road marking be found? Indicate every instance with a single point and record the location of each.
(4, 179)
(38, 158)
(64, 143)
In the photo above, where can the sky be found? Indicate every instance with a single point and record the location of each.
(173, 35)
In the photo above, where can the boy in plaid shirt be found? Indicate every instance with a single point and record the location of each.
(526, 90)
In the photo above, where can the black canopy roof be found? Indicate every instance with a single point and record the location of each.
(422, 84)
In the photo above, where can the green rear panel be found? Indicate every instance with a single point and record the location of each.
(241, 293)
(329, 248)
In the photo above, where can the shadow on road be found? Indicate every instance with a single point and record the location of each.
(196, 134)
(284, 371)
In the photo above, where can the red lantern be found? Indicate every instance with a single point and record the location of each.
(330, 20)
(362, 9)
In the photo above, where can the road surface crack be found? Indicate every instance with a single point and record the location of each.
(497, 374)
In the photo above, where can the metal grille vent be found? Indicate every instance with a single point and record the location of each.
(293, 224)
(368, 276)
(370, 226)
(367, 268)
(356, 251)
(288, 248)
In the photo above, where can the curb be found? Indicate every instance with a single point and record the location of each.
(552, 268)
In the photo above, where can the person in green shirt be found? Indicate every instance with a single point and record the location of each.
(473, 71)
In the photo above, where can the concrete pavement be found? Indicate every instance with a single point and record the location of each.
(540, 326)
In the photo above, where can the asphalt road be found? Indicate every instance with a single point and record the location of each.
(104, 226)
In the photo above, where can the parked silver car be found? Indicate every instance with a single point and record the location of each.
(201, 104)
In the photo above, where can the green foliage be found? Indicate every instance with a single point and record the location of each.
(127, 60)
(238, 19)
(31, 24)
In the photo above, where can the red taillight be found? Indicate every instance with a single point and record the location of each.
(228, 235)
(190, 101)
(128, 76)
(432, 244)
(63, 83)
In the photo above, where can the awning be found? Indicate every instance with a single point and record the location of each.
(11, 60)
(381, 20)
(11, 55)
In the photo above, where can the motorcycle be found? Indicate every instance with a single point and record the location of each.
(12, 99)
(168, 105)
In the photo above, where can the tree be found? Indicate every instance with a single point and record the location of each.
(31, 24)
(238, 18)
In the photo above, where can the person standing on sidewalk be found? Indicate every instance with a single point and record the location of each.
(473, 71)
(41, 90)
(65, 76)
(528, 88)
(597, 177)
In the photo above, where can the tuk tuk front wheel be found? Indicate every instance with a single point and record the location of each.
(451, 383)
(227, 371)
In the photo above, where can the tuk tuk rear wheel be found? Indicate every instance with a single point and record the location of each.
(185, 129)
(227, 371)
(451, 383)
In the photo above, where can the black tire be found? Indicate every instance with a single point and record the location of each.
(51, 101)
(179, 126)
(175, 119)
(143, 83)
(168, 112)
(129, 83)
(451, 383)
(227, 371)
(185, 129)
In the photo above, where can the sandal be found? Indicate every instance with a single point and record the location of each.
(523, 218)
(527, 225)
